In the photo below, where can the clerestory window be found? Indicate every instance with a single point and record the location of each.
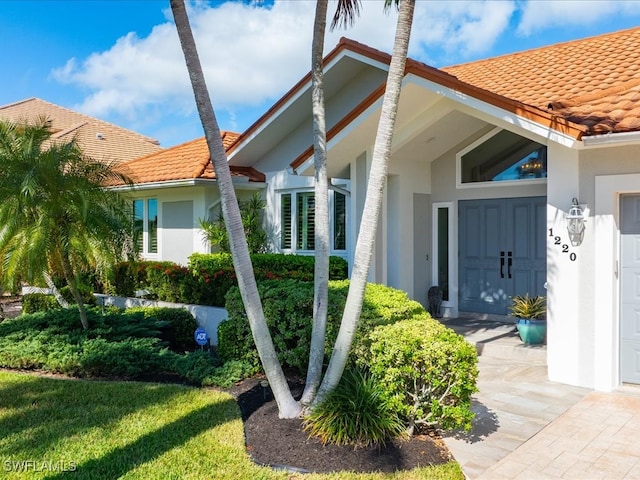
(502, 156)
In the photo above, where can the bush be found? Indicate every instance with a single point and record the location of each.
(38, 302)
(119, 343)
(176, 326)
(356, 413)
(288, 309)
(427, 369)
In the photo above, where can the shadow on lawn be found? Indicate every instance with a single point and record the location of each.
(121, 460)
(52, 408)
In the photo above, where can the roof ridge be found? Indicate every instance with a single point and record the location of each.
(91, 119)
(540, 48)
(13, 104)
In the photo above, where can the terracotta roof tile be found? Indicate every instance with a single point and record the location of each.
(593, 81)
(189, 160)
(102, 141)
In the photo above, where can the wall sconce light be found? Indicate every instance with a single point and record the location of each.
(575, 222)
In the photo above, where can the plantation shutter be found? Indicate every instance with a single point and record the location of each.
(339, 221)
(306, 221)
(285, 215)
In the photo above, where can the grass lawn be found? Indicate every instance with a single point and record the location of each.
(57, 428)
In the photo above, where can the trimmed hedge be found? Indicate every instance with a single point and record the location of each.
(38, 302)
(209, 277)
(288, 309)
(428, 370)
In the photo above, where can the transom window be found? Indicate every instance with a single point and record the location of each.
(297, 213)
(145, 225)
(502, 156)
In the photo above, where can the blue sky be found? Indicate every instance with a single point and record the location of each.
(120, 60)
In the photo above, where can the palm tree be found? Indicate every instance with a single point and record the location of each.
(373, 201)
(321, 231)
(287, 406)
(55, 216)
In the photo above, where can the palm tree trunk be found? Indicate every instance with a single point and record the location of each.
(321, 268)
(373, 201)
(287, 406)
(71, 281)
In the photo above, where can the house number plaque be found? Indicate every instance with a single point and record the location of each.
(557, 240)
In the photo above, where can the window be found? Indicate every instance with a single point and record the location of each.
(503, 156)
(145, 225)
(297, 212)
(442, 236)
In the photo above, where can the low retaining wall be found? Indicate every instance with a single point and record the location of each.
(207, 317)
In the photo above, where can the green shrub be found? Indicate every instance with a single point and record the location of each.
(427, 369)
(38, 302)
(229, 373)
(288, 309)
(86, 292)
(127, 277)
(356, 413)
(176, 325)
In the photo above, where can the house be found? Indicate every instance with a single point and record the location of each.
(511, 175)
(100, 140)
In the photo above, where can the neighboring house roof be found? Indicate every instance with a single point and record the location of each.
(593, 81)
(189, 160)
(100, 140)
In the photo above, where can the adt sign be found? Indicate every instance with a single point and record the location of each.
(201, 336)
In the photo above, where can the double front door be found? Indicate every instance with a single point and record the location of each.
(502, 252)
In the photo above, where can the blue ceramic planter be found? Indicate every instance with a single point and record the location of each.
(532, 331)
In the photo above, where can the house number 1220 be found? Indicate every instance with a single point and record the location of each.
(557, 240)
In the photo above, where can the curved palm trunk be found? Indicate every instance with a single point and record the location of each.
(321, 268)
(375, 188)
(287, 406)
(71, 281)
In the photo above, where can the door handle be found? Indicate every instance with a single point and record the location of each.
(509, 263)
(501, 264)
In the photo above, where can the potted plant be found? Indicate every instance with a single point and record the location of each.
(530, 313)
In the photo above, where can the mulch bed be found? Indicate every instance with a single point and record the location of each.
(282, 444)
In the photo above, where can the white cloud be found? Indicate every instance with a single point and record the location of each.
(538, 15)
(251, 54)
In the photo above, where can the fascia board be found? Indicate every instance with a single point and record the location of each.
(491, 113)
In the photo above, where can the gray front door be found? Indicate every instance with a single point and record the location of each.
(502, 252)
(630, 289)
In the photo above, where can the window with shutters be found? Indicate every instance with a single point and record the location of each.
(145, 225)
(297, 213)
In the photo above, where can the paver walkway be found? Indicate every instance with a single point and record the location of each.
(527, 427)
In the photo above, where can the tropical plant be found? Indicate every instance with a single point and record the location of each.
(524, 306)
(321, 195)
(373, 201)
(357, 412)
(287, 406)
(251, 212)
(56, 219)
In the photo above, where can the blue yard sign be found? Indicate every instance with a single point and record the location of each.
(201, 336)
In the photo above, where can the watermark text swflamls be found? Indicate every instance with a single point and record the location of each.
(39, 466)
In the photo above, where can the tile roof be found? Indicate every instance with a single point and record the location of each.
(189, 160)
(594, 82)
(102, 141)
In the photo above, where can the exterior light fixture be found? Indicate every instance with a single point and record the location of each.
(575, 222)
